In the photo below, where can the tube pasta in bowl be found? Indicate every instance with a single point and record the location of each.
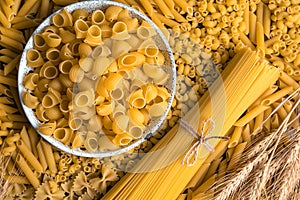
(93, 72)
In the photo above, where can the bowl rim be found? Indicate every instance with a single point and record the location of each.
(24, 70)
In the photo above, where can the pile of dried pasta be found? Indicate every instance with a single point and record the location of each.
(204, 36)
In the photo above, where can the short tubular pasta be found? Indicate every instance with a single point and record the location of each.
(130, 60)
(32, 178)
(135, 132)
(49, 71)
(62, 19)
(52, 39)
(76, 74)
(100, 65)
(52, 54)
(117, 94)
(102, 51)
(53, 113)
(98, 17)
(84, 98)
(119, 110)
(112, 13)
(94, 36)
(158, 109)
(112, 81)
(63, 135)
(137, 99)
(120, 31)
(276, 96)
(29, 156)
(150, 92)
(120, 124)
(39, 42)
(105, 108)
(34, 58)
(120, 47)
(145, 32)
(79, 14)
(91, 142)
(40, 113)
(29, 100)
(66, 36)
(136, 117)
(81, 28)
(65, 66)
(47, 128)
(122, 139)
(30, 81)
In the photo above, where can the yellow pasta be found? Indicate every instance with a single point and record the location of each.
(185, 6)
(47, 128)
(120, 31)
(81, 28)
(91, 142)
(236, 135)
(206, 185)
(4, 20)
(120, 124)
(48, 152)
(148, 7)
(16, 179)
(158, 109)
(30, 100)
(29, 156)
(122, 139)
(266, 20)
(32, 178)
(62, 19)
(246, 134)
(236, 156)
(260, 39)
(120, 47)
(276, 96)
(288, 80)
(252, 27)
(251, 115)
(112, 13)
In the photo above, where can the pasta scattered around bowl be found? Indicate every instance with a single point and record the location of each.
(103, 76)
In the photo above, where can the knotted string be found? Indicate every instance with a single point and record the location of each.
(201, 139)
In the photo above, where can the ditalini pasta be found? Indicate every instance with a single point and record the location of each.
(170, 179)
(94, 74)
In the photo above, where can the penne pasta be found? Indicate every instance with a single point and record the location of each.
(251, 115)
(236, 135)
(32, 178)
(276, 96)
(266, 20)
(236, 155)
(48, 152)
(26, 152)
(260, 39)
(252, 27)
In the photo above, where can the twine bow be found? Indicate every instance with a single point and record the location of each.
(201, 139)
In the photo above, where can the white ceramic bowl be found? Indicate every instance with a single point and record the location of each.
(161, 42)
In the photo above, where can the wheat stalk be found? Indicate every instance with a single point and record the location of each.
(269, 158)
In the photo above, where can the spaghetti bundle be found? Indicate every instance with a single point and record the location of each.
(245, 78)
